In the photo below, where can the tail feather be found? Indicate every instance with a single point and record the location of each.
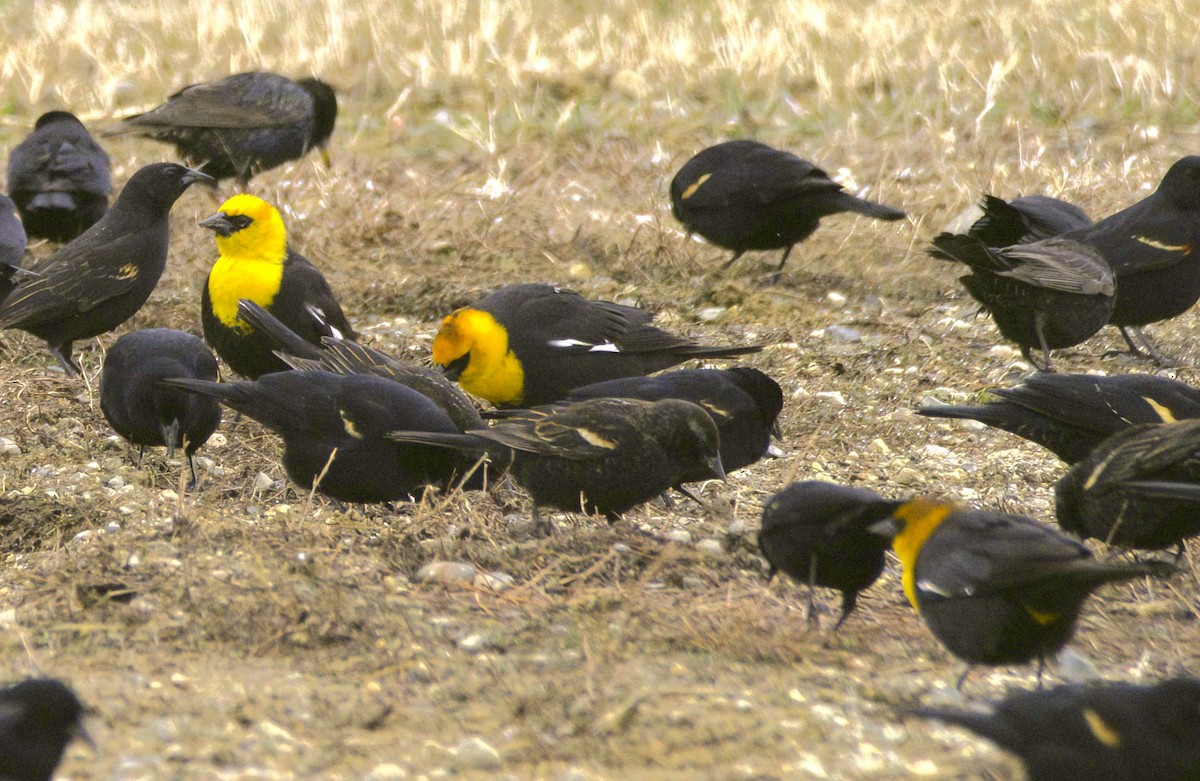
(438, 439)
(862, 206)
(288, 340)
(984, 413)
(708, 351)
(986, 725)
(235, 394)
(967, 250)
(52, 201)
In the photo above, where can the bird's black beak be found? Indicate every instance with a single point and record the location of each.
(718, 469)
(218, 224)
(455, 368)
(192, 176)
(170, 434)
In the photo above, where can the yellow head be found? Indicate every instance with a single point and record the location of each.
(917, 519)
(249, 228)
(253, 246)
(473, 346)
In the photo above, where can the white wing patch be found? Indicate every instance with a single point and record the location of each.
(318, 314)
(607, 347)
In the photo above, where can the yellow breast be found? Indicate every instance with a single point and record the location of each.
(232, 279)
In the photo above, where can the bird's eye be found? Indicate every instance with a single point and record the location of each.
(239, 221)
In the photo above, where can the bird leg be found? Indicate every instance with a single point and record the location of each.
(774, 278)
(1146, 348)
(731, 261)
(814, 622)
(63, 353)
(963, 678)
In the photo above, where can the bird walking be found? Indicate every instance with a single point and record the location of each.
(102, 278)
(59, 178)
(531, 344)
(243, 124)
(146, 413)
(744, 195)
(256, 263)
(39, 717)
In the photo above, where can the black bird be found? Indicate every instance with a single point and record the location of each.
(601, 456)
(1025, 219)
(1049, 294)
(12, 245)
(342, 356)
(243, 124)
(742, 401)
(146, 413)
(102, 278)
(256, 263)
(1095, 732)
(1070, 414)
(744, 195)
(341, 422)
(1140, 488)
(532, 344)
(59, 178)
(1150, 247)
(38, 718)
(996, 588)
(818, 533)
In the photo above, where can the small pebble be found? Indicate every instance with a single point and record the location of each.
(386, 772)
(263, 482)
(447, 572)
(908, 476)
(835, 396)
(842, 334)
(496, 581)
(475, 643)
(476, 754)
(9, 447)
(682, 536)
(711, 546)
(711, 313)
(835, 297)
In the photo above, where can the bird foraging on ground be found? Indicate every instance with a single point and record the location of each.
(818, 533)
(1140, 488)
(602, 456)
(531, 344)
(256, 264)
(1070, 414)
(38, 718)
(1025, 219)
(996, 588)
(744, 195)
(100, 279)
(342, 356)
(334, 429)
(1102, 731)
(12, 246)
(146, 413)
(1153, 248)
(243, 124)
(1049, 294)
(744, 403)
(59, 178)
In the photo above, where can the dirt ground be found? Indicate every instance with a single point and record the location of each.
(248, 630)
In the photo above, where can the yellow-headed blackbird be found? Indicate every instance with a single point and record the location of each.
(532, 344)
(102, 278)
(818, 533)
(1070, 414)
(1150, 247)
(12, 245)
(242, 124)
(996, 588)
(342, 422)
(146, 413)
(742, 401)
(598, 455)
(1049, 294)
(744, 195)
(256, 263)
(341, 356)
(1094, 732)
(59, 178)
(1140, 488)
(1025, 219)
(38, 718)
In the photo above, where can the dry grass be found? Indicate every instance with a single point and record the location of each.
(237, 633)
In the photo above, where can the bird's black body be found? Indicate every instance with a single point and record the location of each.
(744, 195)
(601, 456)
(817, 533)
(242, 124)
(342, 356)
(318, 412)
(1026, 219)
(1070, 414)
(145, 413)
(38, 718)
(12, 245)
(1140, 488)
(59, 178)
(1048, 294)
(560, 341)
(742, 401)
(100, 279)
(1109, 731)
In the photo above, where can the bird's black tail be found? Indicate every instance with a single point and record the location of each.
(986, 725)
(285, 338)
(879, 211)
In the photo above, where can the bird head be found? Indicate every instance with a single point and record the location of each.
(248, 227)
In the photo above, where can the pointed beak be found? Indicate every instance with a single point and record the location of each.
(192, 176)
(718, 469)
(81, 733)
(218, 224)
(170, 434)
(455, 368)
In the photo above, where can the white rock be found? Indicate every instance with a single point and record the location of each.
(476, 754)
(447, 572)
(1003, 352)
(936, 451)
(738, 528)
(711, 313)
(263, 482)
(496, 581)
(475, 643)
(9, 447)
(710, 545)
(116, 482)
(835, 396)
(386, 772)
(682, 536)
(835, 297)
